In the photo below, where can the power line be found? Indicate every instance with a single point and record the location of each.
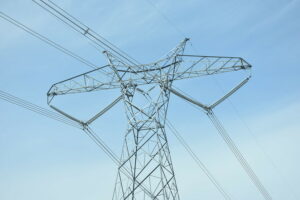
(170, 22)
(37, 109)
(267, 156)
(234, 149)
(47, 40)
(197, 160)
(84, 30)
(250, 132)
(58, 117)
(166, 18)
(232, 146)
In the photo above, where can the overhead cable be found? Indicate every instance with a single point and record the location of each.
(37, 109)
(234, 149)
(166, 18)
(47, 40)
(84, 30)
(266, 155)
(58, 117)
(230, 143)
(198, 161)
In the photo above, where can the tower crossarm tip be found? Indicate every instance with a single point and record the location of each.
(193, 66)
(101, 78)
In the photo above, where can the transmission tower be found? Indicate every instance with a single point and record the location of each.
(145, 169)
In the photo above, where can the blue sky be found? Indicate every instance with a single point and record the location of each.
(43, 159)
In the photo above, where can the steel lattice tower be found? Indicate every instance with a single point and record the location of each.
(145, 168)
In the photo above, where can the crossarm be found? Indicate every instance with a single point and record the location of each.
(98, 79)
(193, 66)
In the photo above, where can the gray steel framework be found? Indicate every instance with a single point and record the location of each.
(145, 168)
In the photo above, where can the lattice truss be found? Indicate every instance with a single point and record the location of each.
(145, 169)
(145, 166)
(191, 66)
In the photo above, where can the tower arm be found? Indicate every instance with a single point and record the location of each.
(193, 66)
(99, 79)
